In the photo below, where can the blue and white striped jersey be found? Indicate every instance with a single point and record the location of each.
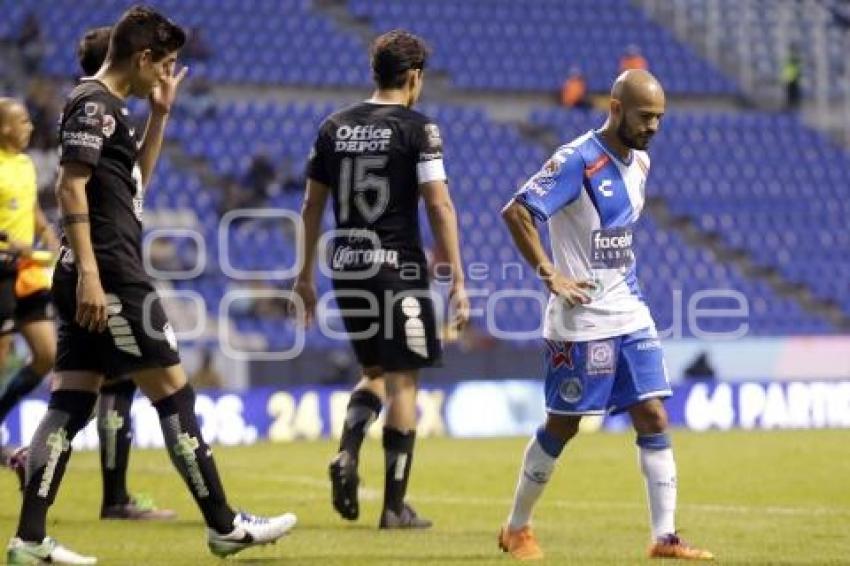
(591, 199)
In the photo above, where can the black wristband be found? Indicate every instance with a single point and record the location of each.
(69, 219)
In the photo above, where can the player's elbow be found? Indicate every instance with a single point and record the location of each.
(513, 213)
(440, 209)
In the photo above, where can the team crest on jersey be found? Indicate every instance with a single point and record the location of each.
(432, 135)
(571, 390)
(552, 166)
(108, 125)
(91, 108)
(600, 357)
(560, 354)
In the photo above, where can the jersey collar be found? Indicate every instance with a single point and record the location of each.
(611, 153)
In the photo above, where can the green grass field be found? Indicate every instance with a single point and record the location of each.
(751, 497)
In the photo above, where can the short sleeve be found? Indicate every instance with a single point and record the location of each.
(429, 154)
(316, 162)
(558, 183)
(83, 129)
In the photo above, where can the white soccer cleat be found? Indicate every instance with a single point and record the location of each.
(47, 551)
(249, 530)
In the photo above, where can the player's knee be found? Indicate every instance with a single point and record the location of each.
(43, 358)
(562, 427)
(400, 384)
(651, 420)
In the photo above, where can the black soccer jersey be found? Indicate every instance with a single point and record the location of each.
(374, 157)
(95, 130)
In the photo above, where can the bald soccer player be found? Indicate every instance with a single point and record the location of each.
(603, 354)
(24, 286)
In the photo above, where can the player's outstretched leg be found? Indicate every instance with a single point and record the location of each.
(114, 430)
(227, 532)
(364, 406)
(41, 340)
(17, 387)
(399, 438)
(659, 470)
(68, 412)
(543, 450)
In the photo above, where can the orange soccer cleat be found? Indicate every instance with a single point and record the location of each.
(671, 546)
(521, 544)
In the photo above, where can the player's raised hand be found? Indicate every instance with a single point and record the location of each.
(165, 92)
(91, 303)
(572, 291)
(306, 291)
(459, 302)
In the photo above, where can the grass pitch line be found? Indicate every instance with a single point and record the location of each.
(369, 494)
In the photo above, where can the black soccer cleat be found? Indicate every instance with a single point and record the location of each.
(407, 519)
(344, 481)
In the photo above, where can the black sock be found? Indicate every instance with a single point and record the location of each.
(363, 408)
(193, 458)
(19, 386)
(398, 456)
(50, 449)
(115, 433)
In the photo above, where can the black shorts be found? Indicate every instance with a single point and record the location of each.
(139, 335)
(16, 311)
(390, 322)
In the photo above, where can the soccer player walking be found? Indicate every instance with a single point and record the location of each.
(377, 159)
(114, 421)
(603, 351)
(111, 322)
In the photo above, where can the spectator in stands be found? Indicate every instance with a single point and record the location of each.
(574, 90)
(259, 178)
(197, 102)
(196, 47)
(30, 43)
(291, 180)
(44, 108)
(234, 196)
(792, 74)
(633, 59)
(206, 377)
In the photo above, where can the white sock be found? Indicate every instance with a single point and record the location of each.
(659, 470)
(536, 470)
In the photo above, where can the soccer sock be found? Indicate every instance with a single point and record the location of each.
(398, 457)
(115, 433)
(659, 470)
(19, 386)
(193, 457)
(67, 413)
(539, 461)
(363, 408)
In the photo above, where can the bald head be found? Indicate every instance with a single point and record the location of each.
(637, 105)
(637, 87)
(15, 125)
(6, 107)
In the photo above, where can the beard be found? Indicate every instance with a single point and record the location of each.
(630, 140)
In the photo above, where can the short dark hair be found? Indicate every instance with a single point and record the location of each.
(92, 49)
(393, 54)
(143, 28)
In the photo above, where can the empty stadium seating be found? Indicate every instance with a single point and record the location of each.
(530, 46)
(255, 41)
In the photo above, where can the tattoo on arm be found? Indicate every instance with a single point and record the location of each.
(69, 219)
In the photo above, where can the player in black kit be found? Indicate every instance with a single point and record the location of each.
(377, 159)
(111, 322)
